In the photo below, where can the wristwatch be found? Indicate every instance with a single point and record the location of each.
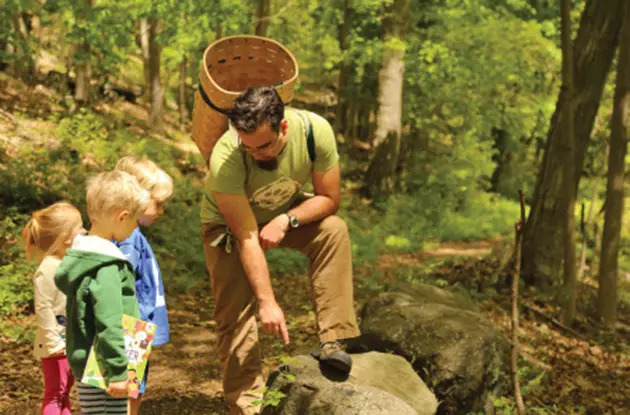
(293, 221)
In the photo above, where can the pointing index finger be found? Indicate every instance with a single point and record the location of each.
(285, 332)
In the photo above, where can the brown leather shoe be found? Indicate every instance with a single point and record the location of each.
(332, 354)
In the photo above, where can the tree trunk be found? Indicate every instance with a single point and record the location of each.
(619, 133)
(37, 30)
(597, 248)
(156, 116)
(144, 46)
(584, 229)
(568, 162)
(183, 113)
(82, 70)
(380, 176)
(23, 63)
(341, 112)
(594, 50)
(518, 231)
(363, 121)
(501, 157)
(82, 81)
(261, 22)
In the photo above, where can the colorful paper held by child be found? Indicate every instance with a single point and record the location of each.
(138, 335)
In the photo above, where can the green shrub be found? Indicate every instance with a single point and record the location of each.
(484, 215)
(38, 177)
(16, 287)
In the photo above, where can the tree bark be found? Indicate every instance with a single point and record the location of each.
(144, 47)
(584, 228)
(341, 119)
(594, 50)
(82, 81)
(23, 63)
(156, 116)
(501, 157)
(568, 195)
(183, 112)
(379, 178)
(518, 232)
(261, 23)
(82, 71)
(613, 216)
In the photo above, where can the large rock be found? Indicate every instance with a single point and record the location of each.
(455, 350)
(379, 383)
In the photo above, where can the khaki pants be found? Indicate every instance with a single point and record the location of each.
(327, 246)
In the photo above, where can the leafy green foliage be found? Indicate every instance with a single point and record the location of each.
(272, 396)
(16, 287)
(103, 25)
(465, 81)
(484, 216)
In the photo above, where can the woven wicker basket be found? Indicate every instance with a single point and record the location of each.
(231, 65)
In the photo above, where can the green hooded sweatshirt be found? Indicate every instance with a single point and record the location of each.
(99, 284)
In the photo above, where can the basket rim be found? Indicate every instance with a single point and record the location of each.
(265, 39)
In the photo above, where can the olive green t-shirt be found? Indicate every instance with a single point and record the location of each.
(269, 192)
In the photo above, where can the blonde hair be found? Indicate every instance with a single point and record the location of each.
(113, 191)
(149, 176)
(48, 229)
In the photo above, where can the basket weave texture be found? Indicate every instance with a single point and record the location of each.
(231, 65)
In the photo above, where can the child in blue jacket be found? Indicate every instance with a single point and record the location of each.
(149, 285)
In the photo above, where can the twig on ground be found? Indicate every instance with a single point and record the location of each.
(555, 322)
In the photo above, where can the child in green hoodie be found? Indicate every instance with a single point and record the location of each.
(99, 283)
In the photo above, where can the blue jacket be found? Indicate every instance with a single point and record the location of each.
(149, 285)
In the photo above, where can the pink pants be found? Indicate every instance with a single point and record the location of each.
(58, 380)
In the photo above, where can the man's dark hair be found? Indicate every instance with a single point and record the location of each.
(254, 107)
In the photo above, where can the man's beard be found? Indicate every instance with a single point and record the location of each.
(268, 165)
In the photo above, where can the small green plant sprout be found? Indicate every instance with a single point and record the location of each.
(270, 397)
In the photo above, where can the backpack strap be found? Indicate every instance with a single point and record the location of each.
(310, 137)
(206, 99)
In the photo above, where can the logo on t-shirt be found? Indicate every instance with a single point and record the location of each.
(275, 194)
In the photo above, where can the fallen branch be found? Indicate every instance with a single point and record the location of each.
(555, 322)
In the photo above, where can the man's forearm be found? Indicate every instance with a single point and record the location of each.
(313, 209)
(256, 269)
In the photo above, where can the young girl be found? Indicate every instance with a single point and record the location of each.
(47, 236)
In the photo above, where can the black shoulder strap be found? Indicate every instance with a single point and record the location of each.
(310, 142)
(310, 137)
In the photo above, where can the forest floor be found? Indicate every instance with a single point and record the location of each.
(564, 371)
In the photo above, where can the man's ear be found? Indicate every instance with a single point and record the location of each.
(284, 126)
(121, 216)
